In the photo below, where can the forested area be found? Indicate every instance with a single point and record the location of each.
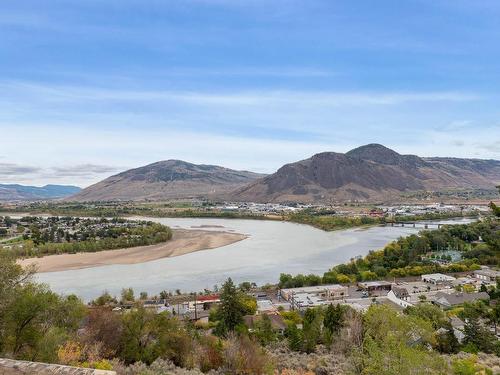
(38, 236)
(478, 243)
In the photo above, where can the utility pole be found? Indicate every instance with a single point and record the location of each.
(195, 308)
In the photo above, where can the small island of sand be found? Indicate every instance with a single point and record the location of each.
(182, 242)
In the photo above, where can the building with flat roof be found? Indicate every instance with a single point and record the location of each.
(327, 292)
(375, 286)
(437, 278)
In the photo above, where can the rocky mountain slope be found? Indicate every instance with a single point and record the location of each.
(366, 173)
(169, 179)
(15, 192)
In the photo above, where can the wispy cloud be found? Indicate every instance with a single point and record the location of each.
(458, 143)
(274, 114)
(490, 146)
(84, 170)
(284, 71)
(259, 97)
(12, 169)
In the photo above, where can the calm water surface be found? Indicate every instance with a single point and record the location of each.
(272, 248)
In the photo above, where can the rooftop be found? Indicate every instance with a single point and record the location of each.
(457, 298)
(438, 276)
(315, 289)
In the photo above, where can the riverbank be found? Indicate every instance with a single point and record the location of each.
(272, 248)
(182, 242)
(319, 219)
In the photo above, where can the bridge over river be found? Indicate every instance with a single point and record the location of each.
(414, 224)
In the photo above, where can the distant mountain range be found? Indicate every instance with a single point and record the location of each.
(169, 179)
(367, 173)
(15, 192)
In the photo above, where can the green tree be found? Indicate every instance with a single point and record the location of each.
(263, 330)
(312, 325)
(137, 337)
(295, 337)
(446, 341)
(494, 316)
(127, 295)
(334, 318)
(104, 299)
(36, 312)
(231, 310)
(478, 336)
(396, 344)
(245, 286)
(164, 294)
(494, 207)
(430, 313)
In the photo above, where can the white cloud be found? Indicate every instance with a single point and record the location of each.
(55, 93)
(84, 170)
(13, 169)
(490, 146)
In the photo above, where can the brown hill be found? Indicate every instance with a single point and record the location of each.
(169, 179)
(366, 173)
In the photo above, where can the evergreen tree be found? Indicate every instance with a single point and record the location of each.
(312, 329)
(264, 330)
(494, 207)
(494, 316)
(479, 336)
(446, 342)
(231, 309)
(334, 317)
(295, 338)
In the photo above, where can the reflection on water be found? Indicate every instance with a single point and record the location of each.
(272, 248)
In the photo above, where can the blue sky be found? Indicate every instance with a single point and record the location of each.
(90, 87)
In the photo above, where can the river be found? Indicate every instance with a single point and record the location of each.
(272, 247)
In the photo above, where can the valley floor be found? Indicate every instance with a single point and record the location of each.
(182, 242)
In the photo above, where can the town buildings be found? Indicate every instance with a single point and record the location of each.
(314, 295)
(437, 278)
(486, 274)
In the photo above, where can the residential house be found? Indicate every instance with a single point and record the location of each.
(154, 303)
(486, 274)
(401, 292)
(204, 301)
(446, 300)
